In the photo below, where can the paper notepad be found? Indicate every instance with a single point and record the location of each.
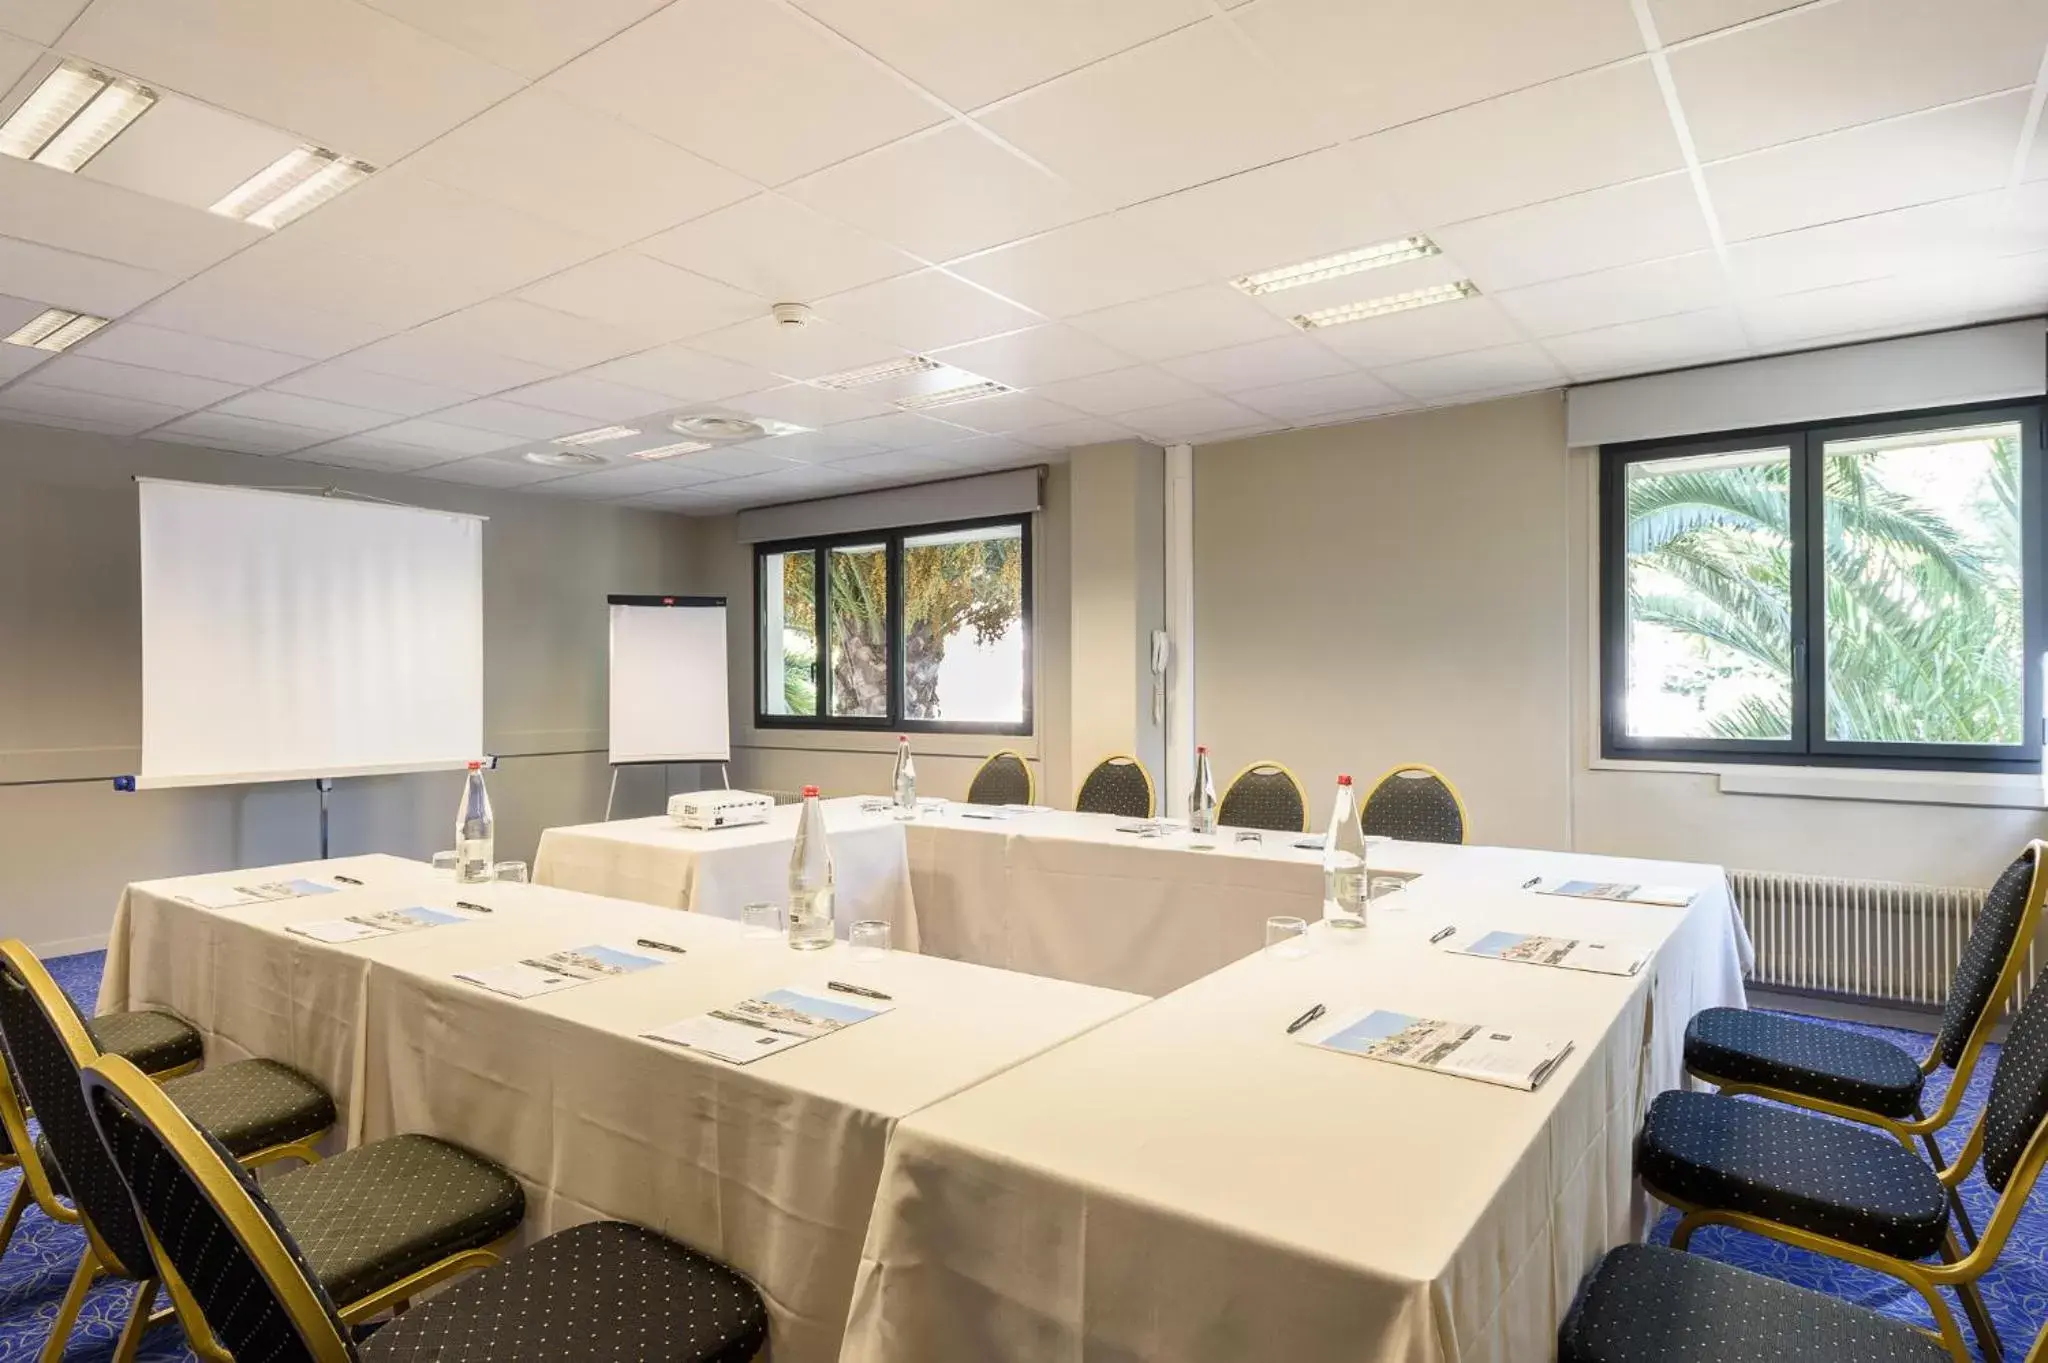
(269, 892)
(1570, 953)
(364, 926)
(775, 1021)
(1492, 1055)
(559, 970)
(1670, 896)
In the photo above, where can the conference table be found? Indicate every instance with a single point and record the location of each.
(1191, 1182)
(772, 1166)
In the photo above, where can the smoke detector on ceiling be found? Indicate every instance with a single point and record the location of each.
(791, 316)
(711, 426)
(566, 458)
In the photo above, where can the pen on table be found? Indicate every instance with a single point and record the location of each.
(658, 946)
(1305, 1019)
(348, 880)
(1438, 937)
(855, 989)
(1532, 881)
(473, 908)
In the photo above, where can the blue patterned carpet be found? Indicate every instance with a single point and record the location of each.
(39, 1264)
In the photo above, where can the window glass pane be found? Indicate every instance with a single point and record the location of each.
(789, 634)
(1709, 587)
(859, 629)
(963, 625)
(1925, 627)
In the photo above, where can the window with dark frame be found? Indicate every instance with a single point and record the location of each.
(1855, 593)
(923, 629)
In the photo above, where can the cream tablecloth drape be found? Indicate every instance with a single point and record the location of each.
(1191, 1183)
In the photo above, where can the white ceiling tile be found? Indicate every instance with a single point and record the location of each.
(367, 452)
(278, 63)
(1313, 398)
(755, 87)
(531, 37)
(1519, 367)
(554, 159)
(15, 311)
(909, 193)
(899, 464)
(1678, 20)
(205, 307)
(1659, 343)
(512, 419)
(2037, 162)
(345, 383)
(1834, 66)
(823, 447)
(314, 414)
(1632, 293)
(1122, 390)
(1894, 306)
(1262, 364)
(68, 422)
(775, 248)
(251, 434)
(1205, 417)
(645, 296)
(969, 52)
(1184, 323)
(427, 359)
(16, 360)
(1598, 230)
(1955, 233)
(1962, 149)
(1378, 65)
(537, 335)
(925, 310)
(493, 472)
(1419, 333)
(740, 461)
(899, 431)
(27, 398)
(1183, 109)
(41, 21)
(991, 451)
(386, 295)
(802, 405)
(1028, 359)
(1088, 265)
(89, 375)
(1008, 413)
(823, 347)
(629, 480)
(192, 154)
(1331, 204)
(595, 399)
(17, 55)
(427, 434)
(1088, 430)
(694, 500)
(1596, 128)
(67, 279)
(181, 353)
(679, 372)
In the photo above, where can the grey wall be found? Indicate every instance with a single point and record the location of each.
(70, 682)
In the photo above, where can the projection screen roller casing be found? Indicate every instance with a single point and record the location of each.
(287, 636)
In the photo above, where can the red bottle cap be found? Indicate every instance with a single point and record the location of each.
(1201, 748)
(810, 792)
(1343, 780)
(476, 766)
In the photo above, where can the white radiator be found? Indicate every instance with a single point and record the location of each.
(1870, 940)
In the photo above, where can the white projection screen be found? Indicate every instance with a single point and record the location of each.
(287, 636)
(668, 680)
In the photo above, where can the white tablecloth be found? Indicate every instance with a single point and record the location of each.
(1189, 1183)
(656, 861)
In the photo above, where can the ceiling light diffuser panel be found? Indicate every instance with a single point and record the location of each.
(1380, 307)
(946, 397)
(1374, 257)
(292, 186)
(56, 329)
(71, 117)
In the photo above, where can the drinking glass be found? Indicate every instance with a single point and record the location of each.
(514, 871)
(762, 919)
(1286, 938)
(445, 863)
(869, 939)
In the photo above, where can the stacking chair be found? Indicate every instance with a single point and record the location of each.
(379, 1223)
(1004, 779)
(1868, 1079)
(1415, 803)
(1854, 1193)
(1119, 785)
(603, 1291)
(1646, 1304)
(162, 1045)
(1264, 795)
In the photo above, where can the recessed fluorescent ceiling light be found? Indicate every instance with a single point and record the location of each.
(71, 116)
(564, 459)
(1339, 265)
(292, 186)
(878, 373)
(1380, 307)
(671, 451)
(946, 397)
(598, 436)
(56, 329)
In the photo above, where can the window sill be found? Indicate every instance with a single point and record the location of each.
(1984, 790)
(884, 740)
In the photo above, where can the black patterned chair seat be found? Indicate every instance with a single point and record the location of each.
(383, 1211)
(1413, 805)
(601, 1292)
(155, 1041)
(1117, 786)
(1647, 1304)
(1264, 796)
(1812, 1172)
(252, 1105)
(1004, 779)
(1746, 1046)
